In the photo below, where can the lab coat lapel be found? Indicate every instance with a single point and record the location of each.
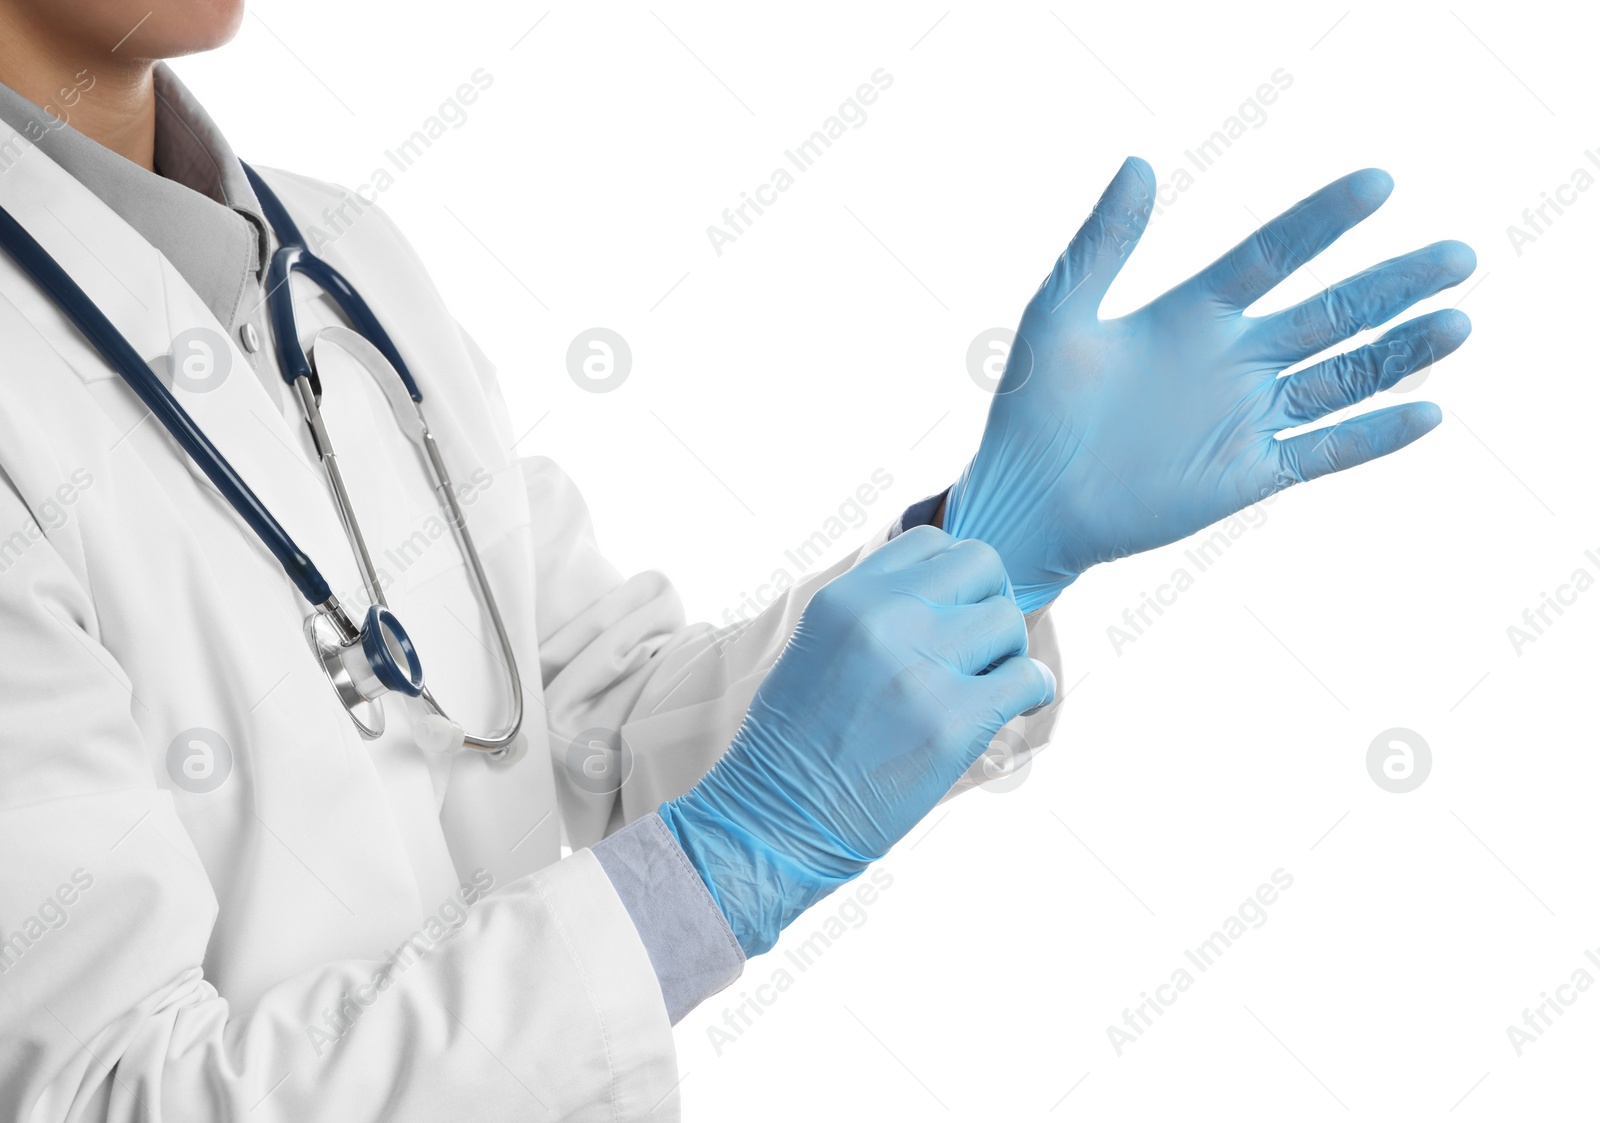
(165, 320)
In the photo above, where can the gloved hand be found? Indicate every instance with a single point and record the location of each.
(1108, 437)
(898, 676)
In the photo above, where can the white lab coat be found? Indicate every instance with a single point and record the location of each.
(175, 948)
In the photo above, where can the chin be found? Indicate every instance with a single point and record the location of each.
(140, 29)
(181, 27)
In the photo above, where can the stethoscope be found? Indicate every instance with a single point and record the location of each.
(362, 661)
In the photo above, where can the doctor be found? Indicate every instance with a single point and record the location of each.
(223, 900)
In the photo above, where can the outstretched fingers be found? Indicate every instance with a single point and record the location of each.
(1372, 297)
(1258, 264)
(1352, 442)
(1354, 376)
(1103, 244)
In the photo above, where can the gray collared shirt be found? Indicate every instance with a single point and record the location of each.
(199, 210)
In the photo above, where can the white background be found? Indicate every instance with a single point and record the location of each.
(1231, 739)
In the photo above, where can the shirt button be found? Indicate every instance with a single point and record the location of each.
(248, 337)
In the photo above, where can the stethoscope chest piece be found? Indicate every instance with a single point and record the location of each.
(361, 672)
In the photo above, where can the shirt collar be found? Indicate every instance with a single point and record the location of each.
(191, 150)
(200, 210)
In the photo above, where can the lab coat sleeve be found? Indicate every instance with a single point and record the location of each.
(622, 667)
(543, 1005)
(617, 656)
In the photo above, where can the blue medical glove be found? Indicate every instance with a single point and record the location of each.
(896, 679)
(1108, 437)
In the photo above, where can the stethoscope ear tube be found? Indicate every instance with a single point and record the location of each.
(499, 743)
(292, 360)
(293, 256)
(407, 410)
(409, 416)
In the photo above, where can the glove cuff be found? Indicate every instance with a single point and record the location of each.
(759, 890)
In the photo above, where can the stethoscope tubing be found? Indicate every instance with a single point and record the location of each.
(34, 260)
(293, 256)
(296, 369)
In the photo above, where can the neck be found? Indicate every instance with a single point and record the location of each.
(108, 99)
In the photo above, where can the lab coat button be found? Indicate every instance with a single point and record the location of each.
(248, 337)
